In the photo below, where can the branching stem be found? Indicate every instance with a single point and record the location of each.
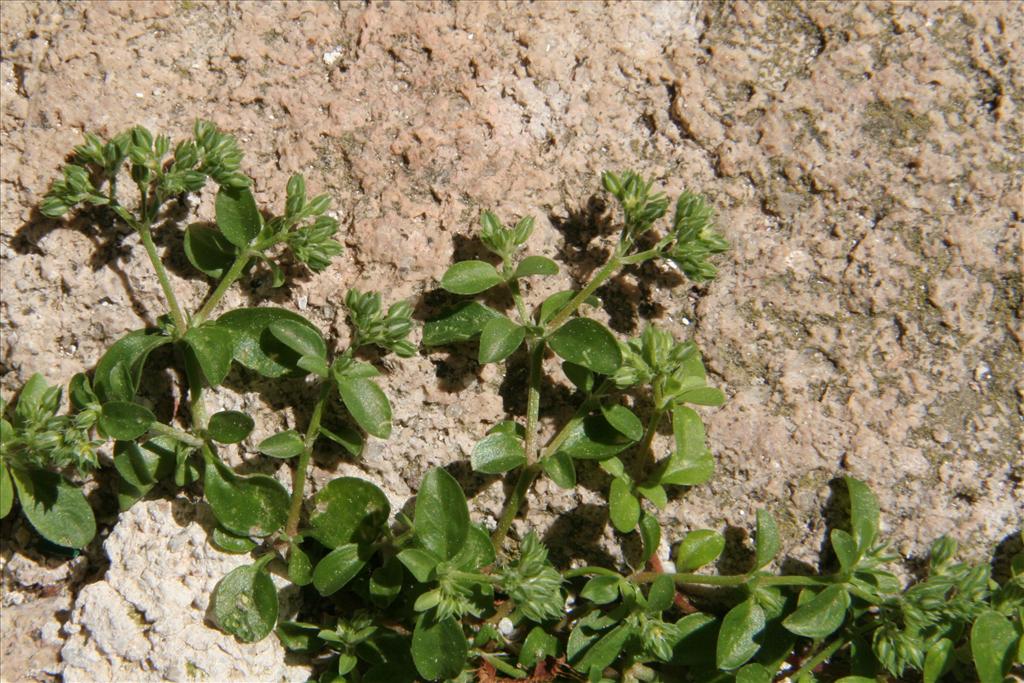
(233, 273)
(161, 274)
(299, 476)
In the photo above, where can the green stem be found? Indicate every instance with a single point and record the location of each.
(823, 655)
(599, 279)
(536, 351)
(682, 578)
(588, 571)
(517, 297)
(514, 502)
(530, 470)
(233, 273)
(299, 476)
(652, 429)
(176, 434)
(581, 412)
(194, 379)
(161, 275)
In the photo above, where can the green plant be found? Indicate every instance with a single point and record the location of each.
(436, 596)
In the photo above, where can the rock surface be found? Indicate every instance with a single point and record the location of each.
(146, 620)
(865, 160)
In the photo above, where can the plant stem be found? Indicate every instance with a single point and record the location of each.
(652, 429)
(536, 355)
(176, 434)
(233, 273)
(161, 275)
(517, 297)
(299, 476)
(812, 663)
(586, 571)
(194, 380)
(531, 469)
(577, 417)
(599, 279)
(513, 503)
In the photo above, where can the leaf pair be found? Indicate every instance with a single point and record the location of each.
(349, 516)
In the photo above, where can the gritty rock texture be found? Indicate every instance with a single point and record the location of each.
(865, 160)
(145, 621)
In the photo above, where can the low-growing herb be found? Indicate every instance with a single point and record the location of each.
(440, 596)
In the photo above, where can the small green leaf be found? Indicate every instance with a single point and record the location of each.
(553, 304)
(559, 467)
(348, 510)
(386, 582)
(537, 646)
(284, 445)
(602, 653)
(688, 431)
(347, 437)
(420, 563)
(213, 347)
(300, 338)
(754, 673)
(237, 215)
(656, 494)
(624, 421)
(698, 633)
(229, 426)
(470, 277)
(297, 636)
(938, 661)
(993, 638)
(228, 542)
(508, 427)
(439, 648)
(6, 491)
(124, 360)
(535, 265)
(702, 396)
(54, 507)
(498, 453)
(588, 343)
(699, 548)
(208, 250)
(245, 603)
(863, 515)
(256, 347)
(476, 552)
(623, 506)
(367, 404)
(767, 542)
(661, 595)
(499, 339)
(601, 590)
(141, 466)
(459, 324)
(248, 506)
(691, 463)
(300, 567)
(592, 438)
(687, 471)
(579, 376)
(125, 421)
(80, 392)
(339, 567)
(650, 534)
(442, 516)
(845, 549)
(736, 644)
(820, 616)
